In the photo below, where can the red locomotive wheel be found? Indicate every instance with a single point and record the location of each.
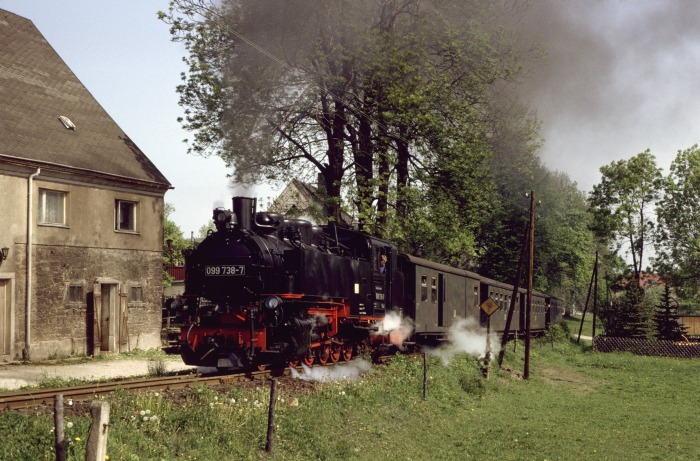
(309, 358)
(347, 352)
(293, 363)
(323, 354)
(261, 367)
(336, 352)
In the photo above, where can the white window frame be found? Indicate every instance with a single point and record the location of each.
(118, 216)
(43, 207)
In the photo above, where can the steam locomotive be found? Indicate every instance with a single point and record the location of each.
(262, 290)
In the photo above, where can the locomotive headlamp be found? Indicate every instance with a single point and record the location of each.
(272, 302)
(221, 218)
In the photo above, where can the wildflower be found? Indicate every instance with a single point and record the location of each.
(142, 413)
(145, 419)
(70, 402)
(77, 439)
(156, 394)
(69, 424)
(148, 412)
(216, 397)
(211, 405)
(233, 401)
(154, 418)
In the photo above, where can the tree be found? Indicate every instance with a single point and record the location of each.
(625, 315)
(667, 318)
(678, 236)
(620, 205)
(357, 90)
(173, 244)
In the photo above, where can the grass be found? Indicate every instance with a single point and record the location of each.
(578, 404)
(574, 324)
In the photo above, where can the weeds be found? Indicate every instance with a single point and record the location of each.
(578, 403)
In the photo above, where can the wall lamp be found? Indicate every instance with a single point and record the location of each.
(5, 252)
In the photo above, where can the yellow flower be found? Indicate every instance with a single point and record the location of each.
(77, 439)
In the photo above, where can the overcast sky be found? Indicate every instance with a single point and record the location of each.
(621, 76)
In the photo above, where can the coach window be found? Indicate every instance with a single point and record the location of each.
(433, 290)
(476, 296)
(52, 207)
(423, 288)
(125, 214)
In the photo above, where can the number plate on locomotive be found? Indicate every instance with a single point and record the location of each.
(224, 271)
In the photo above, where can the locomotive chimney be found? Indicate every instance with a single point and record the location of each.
(244, 208)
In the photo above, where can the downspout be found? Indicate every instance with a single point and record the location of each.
(30, 227)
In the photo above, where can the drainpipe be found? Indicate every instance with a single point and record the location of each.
(30, 227)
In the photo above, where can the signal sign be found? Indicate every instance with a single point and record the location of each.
(489, 306)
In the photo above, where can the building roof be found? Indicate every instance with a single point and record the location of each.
(36, 89)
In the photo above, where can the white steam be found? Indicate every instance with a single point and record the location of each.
(466, 336)
(349, 372)
(397, 328)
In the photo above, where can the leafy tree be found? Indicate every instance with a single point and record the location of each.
(667, 318)
(173, 244)
(620, 205)
(364, 90)
(678, 236)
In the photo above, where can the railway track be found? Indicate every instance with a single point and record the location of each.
(45, 397)
(33, 398)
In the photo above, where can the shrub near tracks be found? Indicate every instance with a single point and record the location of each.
(577, 403)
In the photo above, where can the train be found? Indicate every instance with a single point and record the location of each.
(263, 290)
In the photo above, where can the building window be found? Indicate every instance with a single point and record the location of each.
(136, 295)
(125, 216)
(52, 207)
(76, 295)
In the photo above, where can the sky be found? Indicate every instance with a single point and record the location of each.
(123, 55)
(620, 76)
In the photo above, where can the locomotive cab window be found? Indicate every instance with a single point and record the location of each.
(424, 288)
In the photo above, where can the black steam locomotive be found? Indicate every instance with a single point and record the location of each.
(263, 290)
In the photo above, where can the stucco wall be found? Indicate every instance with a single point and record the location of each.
(86, 249)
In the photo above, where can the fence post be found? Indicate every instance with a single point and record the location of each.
(58, 427)
(271, 416)
(97, 440)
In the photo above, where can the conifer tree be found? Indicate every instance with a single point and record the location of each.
(666, 319)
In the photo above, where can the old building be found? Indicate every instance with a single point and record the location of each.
(81, 213)
(302, 200)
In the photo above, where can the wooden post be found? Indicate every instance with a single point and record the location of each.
(425, 377)
(58, 427)
(271, 416)
(588, 297)
(97, 440)
(595, 296)
(487, 356)
(528, 310)
(513, 299)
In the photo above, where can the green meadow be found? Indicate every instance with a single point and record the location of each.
(577, 405)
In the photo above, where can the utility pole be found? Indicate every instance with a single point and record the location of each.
(528, 311)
